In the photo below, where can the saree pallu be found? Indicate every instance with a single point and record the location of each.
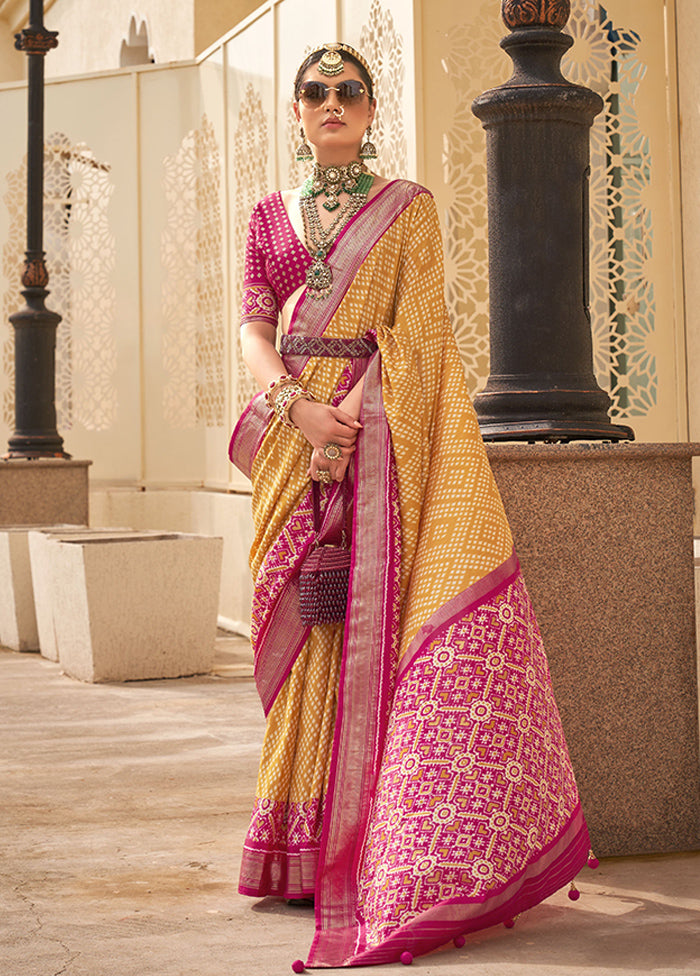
(445, 799)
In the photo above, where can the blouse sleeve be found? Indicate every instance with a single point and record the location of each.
(259, 298)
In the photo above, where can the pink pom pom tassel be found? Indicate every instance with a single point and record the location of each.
(298, 966)
(406, 958)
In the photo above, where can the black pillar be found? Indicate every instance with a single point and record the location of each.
(542, 385)
(35, 432)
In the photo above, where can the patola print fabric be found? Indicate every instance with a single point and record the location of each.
(414, 775)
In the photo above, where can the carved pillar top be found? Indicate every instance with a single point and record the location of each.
(535, 13)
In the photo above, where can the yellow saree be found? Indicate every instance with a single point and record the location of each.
(414, 775)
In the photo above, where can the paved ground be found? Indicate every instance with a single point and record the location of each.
(122, 814)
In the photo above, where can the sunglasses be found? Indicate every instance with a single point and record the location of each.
(314, 93)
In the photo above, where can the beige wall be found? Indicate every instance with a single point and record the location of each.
(92, 39)
(90, 42)
(636, 295)
(214, 18)
(12, 62)
(688, 28)
(432, 60)
(688, 39)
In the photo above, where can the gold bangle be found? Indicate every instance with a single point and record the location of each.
(285, 394)
(284, 401)
(276, 387)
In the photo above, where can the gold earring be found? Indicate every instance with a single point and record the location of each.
(303, 151)
(368, 150)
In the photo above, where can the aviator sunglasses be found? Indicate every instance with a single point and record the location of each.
(314, 93)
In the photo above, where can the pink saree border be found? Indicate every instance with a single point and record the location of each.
(281, 634)
(248, 434)
(545, 874)
(284, 874)
(366, 678)
(280, 853)
(489, 585)
(340, 929)
(279, 645)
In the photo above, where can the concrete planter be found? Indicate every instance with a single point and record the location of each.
(17, 621)
(127, 606)
(42, 569)
(18, 625)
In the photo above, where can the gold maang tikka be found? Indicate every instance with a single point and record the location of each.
(332, 64)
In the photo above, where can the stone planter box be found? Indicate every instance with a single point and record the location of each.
(42, 569)
(128, 606)
(18, 625)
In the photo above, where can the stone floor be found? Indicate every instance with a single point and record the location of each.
(122, 815)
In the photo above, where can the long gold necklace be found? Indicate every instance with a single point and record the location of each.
(354, 180)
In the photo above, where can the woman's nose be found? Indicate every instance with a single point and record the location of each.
(332, 100)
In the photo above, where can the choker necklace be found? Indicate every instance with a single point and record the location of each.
(331, 180)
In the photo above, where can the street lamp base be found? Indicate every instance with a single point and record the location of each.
(554, 431)
(33, 446)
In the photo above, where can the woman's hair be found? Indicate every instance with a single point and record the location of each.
(347, 55)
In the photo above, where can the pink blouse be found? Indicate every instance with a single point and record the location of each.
(275, 261)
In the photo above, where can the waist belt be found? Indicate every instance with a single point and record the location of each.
(299, 345)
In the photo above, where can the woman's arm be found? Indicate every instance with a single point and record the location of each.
(259, 353)
(320, 423)
(353, 401)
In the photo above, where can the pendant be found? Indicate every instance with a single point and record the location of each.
(319, 277)
(332, 203)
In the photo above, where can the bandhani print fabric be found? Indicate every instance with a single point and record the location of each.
(414, 776)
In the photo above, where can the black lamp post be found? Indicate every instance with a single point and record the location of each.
(542, 385)
(35, 432)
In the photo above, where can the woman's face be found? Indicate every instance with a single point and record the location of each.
(335, 128)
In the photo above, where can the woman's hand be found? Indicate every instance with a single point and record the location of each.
(321, 425)
(321, 467)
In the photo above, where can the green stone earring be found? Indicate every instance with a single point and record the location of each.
(304, 154)
(368, 150)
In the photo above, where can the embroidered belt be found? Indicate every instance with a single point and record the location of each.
(299, 345)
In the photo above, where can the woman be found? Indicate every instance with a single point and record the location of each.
(414, 778)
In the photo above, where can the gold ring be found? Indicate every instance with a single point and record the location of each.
(332, 451)
(325, 477)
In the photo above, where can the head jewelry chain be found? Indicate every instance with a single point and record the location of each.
(332, 64)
